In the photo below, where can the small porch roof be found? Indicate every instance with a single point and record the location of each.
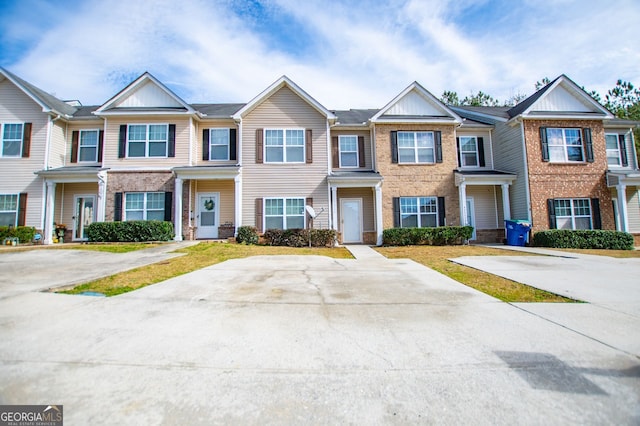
(354, 179)
(483, 177)
(72, 174)
(627, 178)
(207, 172)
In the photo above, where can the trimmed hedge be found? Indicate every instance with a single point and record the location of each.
(300, 237)
(247, 235)
(440, 236)
(24, 234)
(583, 239)
(130, 231)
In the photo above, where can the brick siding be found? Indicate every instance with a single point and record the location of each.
(136, 182)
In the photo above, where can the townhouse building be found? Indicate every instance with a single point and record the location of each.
(557, 159)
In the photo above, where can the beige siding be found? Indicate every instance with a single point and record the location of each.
(284, 109)
(64, 203)
(633, 209)
(198, 143)
(111, 140)
(75, 126)
(367, 148)
(226, 188)
(486, 206)
(58, 144)
(18, 173)
(368, 206)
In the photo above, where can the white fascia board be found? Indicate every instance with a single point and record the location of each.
(139, 113)
(413, 121)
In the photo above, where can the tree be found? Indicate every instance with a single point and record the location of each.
(624, 101)
(480, 99)
(541, 83)
(450, 98)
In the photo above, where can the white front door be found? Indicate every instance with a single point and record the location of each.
(207, 215)
(471, 216)
(84, 215)
(351, 214)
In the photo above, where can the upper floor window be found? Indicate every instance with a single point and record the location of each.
(11, 140)
(219, 144)
(144, 206)
(8, 209)
(418, 212)
(147, 140)
(284, 213)
(348, 146)
(616, 150)
(572, 213)
(468, 146)
(566, 145)
(88, 146)
(284, 145)
(416, 147)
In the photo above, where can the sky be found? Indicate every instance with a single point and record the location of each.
(345, 54)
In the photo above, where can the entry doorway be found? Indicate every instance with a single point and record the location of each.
(351, 220)
(471, 216)
(207, 214)
(84, 215)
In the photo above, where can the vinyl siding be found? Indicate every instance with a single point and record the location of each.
(486, 136)
(97, 125)
(64, 211)
(18, 173)
(367, 149)
(487, 202)
(226, 188)
(508, 151)
(284, 109)
(57, 149)
(197, 149)
(111, 140)
(633, 209)
(368, 206)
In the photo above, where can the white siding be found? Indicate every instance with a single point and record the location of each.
(149, 95)
(560, 99)
(509, 156)
(414, 104)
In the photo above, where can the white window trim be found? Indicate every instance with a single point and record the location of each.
(15, 220)
(211, 144)
(415, 147)
(340, 152)
(144, 206)
(419, 219)
(617, 136)
(573, 216)
(284, 212)
(97, 131)
(476, 152)
(2, 140)
(147, 141)
(284, 145)
(565, 146)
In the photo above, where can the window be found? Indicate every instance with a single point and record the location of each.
(468, 151)
(147, 140)
(613, 150)
(418, 212)
(416, 147)
(565, 145)
(11, 140)
(8, 209)
(144, 206)
(219, 144)
(284, 213)
(348, 146)
(88, 146)
(573, 213)
(284, 146)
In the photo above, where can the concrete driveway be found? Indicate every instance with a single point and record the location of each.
(306, 339)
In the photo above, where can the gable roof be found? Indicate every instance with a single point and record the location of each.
(416, 104)
(575, 102)
(48, 102)
(283, 81)
(145, 94)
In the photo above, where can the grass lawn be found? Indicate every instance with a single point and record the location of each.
(436, 257)
(195, 257)
(109, 248)
(620, 254)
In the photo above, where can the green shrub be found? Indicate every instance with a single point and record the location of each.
(583, 239)
(130, 231)
(24, 234)
(247, 235)
(440, 236)
(300, 237)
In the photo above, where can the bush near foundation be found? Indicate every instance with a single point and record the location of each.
(300, 237)
(130, 231)
(583, 239)
(24, 234)
(247, 235)
(440, 236)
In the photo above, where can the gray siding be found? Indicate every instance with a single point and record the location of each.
(633, 209)
(509, 156)
(486, 205)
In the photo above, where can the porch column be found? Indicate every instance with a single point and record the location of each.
(506, 203)
(462, 195)
(379, 224)
(623, 217)
(177, 210)
(101, 206)
(49, 211)
(238, 202)
(334, 208)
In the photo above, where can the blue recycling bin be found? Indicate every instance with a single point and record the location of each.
(517, 232)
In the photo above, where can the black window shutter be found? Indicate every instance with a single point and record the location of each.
(309, 202)
(22, 209)
(552, 213)
(623, 150)
(396, 212)
(438, 137)
(309, 146)
(481, 162)
(361, 160)
(588, 145)
(595, 213)
(26, 140)
(168, 203)
(75, 135)
(394, 146)
(441, 212)
(259, 148)
(233, 144)
(458, 149)
(172, 140)
(544, 144)
(100, 145)
(122, 141)
(117, 211)
(259, 214)
(335, 152)
(205, 145)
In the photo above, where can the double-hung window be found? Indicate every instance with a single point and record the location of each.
(418, 212)
(147, 140)
(468, 151)
(144, 206)
(284, 145)
(88, 146)
(565, 145)
(416, 147)
(284, 213)
(348, 146)
(219, 144)
(573, 213)
(613, 150)
(11, 140)
(8, 209)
